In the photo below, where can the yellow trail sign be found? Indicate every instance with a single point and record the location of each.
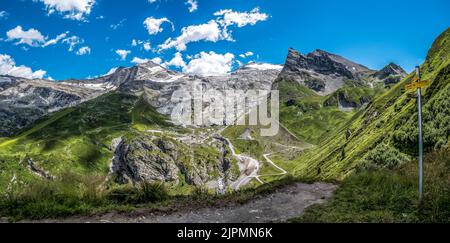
(418, 85)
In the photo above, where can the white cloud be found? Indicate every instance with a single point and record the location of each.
(31, 37)
(214, 30)
(229, 18)
(71, 9)
(146, 45)
(157, 60)
(123, 54)
(152, 1)
(55, 40)
(193, 5)
(247, 54)
(153, 25)
(206, 32)
(85, 50)
(137, 60)
(72, 41)
(34, 38)
(4, 15)
(210, 64)
(241, 19)
(8, 67)
(118, 25)
(177, 61)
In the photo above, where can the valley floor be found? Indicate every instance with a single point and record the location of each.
(280, 206)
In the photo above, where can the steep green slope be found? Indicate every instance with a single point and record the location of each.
(390, 196)
(312, 117)
(389, 121)
(77, 139)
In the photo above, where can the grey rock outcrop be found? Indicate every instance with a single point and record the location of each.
(152, 159)
(390, 74)
(321, 71)
(24, 101)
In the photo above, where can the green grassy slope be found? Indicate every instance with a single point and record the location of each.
(77, 139)
(312, 117)
(390, 196)
(390, 120)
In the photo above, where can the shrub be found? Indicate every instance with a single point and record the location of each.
(383, 157)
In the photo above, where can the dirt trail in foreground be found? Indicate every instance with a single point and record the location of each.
(286, 203)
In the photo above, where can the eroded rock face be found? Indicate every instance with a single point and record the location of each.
(24, 101)
(391, 74)
(321, 71)
(153, 159)
(391, 69)
(142, 160)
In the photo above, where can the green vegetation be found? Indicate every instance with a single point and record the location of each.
(390, 119)
(370, 149)
(387, 196)
(85, 195)
(374, 160)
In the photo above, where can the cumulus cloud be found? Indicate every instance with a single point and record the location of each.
(8, 67)
(35, 38)
(241, 19)
(214, 30)
(70, 9)
(153, 25)
(193, 5)
(210, 64)
(207, 32)
(229, 18)
(123, 54)
(85, 50)
(177, 61)
(138, 60)
(31, 37)
(157, 60)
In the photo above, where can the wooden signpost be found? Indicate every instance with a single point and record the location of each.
(418, 85)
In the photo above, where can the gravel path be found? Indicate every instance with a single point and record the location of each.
(280, 206)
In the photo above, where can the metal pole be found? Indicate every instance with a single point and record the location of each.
(419, 101)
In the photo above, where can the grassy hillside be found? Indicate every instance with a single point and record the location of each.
(389, 121)
(312, 117)
(377, 162)
(78, 139)
(388, 196)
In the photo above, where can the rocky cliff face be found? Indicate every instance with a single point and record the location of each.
(325, 73)
(321, 71)
(391, 74)
(156, 159)
(24, 101)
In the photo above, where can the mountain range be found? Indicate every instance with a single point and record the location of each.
(336, 118)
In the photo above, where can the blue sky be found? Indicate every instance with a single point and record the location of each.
(372, 33)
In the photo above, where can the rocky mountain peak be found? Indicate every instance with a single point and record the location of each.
(321, 71)
(391, 69)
